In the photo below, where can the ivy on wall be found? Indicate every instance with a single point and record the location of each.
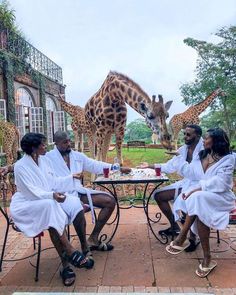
(12, 67)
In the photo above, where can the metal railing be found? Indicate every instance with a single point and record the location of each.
(15, 44)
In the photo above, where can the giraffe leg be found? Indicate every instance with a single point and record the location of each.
(119, 141)
(76, 136)
(105, 146)
(91, 144)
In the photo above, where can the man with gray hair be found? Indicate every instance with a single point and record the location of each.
(66, 161)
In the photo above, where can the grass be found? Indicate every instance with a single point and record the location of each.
(135, 156)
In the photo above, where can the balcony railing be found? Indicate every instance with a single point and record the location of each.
(15, 44)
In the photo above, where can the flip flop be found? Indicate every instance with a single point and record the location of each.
(193, 245)
(101, 247)
(202, 271)
(174, 249)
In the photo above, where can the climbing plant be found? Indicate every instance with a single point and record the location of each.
(13, 66)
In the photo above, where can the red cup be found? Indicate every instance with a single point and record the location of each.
(106, 172)
(157, 168)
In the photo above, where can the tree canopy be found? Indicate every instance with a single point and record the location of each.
(7, 17)
(216, 67)
(138, 130)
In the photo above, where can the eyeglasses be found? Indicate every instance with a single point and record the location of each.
(187, 134)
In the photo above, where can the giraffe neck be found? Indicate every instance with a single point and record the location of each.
(201, 106)
(69, 108)
(125, 89)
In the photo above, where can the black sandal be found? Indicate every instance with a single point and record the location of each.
(78, 260)
(169, 232)
(67, 273)
(88, 254)
(193, 245)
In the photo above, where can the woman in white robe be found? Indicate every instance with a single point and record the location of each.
(209, 200)
(35, 206)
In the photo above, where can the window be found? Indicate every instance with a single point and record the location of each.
(36, 120)
(3, 114)
(51, 109)
(24, 103)
(59, 121)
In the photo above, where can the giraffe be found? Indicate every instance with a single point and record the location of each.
(10, 139)
(79, 123)
(107, 113)
(191, 115)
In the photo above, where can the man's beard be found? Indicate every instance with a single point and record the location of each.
(190, 142)
(65, 153)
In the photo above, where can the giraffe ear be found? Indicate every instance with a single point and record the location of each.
(168, 104)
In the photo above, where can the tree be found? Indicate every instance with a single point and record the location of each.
(216, 67)
(138, 130)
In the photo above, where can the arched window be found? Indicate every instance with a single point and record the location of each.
(55, 119)
(29, 118)
(23, 97)
(50, 104)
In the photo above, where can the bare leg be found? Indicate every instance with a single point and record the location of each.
(80, 227)
(162, 199)
(61, 244)
(184, 230)
(107, 205)
(204, 234)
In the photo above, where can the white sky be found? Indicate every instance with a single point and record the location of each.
(140, 38)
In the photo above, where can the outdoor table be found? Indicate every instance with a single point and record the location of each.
(136, 177)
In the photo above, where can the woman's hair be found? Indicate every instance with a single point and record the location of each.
(31, 141)
(220, 143)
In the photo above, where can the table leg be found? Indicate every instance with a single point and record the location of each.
(163, 239)
(104, 237)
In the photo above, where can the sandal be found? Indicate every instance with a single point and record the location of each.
(101, 247)
(88, 254)
(204, 271)
(66, 274)
(78, 260)
(193, 245)
(174, 249)
(169, 231)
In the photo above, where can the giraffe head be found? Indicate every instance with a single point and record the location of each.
(155, 115)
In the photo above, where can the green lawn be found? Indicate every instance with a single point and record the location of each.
(135, 156)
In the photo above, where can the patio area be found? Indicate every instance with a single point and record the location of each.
(139, 263)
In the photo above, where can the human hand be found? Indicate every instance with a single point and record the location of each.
(78, 176)
(186, 196)
(143, 165)
(125, 170)
(59, 197)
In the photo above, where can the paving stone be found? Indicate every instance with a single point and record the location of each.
(127, 289)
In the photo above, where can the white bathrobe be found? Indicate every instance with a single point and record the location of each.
(215, 200)
(33, 208)
(169, 167)
(79, 162)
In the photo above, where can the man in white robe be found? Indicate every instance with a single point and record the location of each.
(66, 161)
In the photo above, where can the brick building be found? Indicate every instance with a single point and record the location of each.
(29, 85)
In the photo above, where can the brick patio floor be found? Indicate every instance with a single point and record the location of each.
(139, 263)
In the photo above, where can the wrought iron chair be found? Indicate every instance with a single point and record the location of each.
(6, 192)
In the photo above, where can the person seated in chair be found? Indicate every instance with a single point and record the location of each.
(209, 200)
(193, 145)
(39, 203)
(66, 161)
